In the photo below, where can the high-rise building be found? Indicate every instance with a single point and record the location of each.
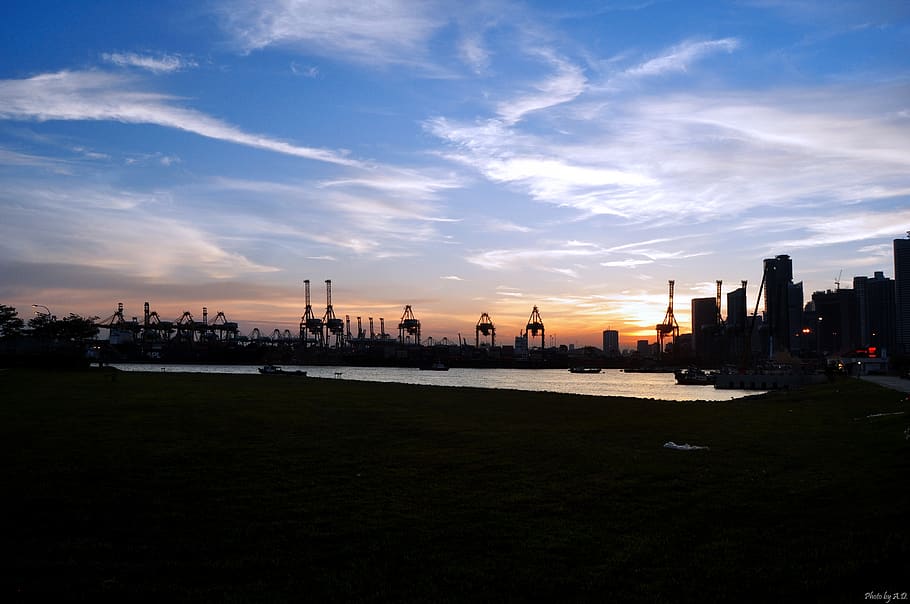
(704, 322)
(902, 291)
(737, 309)
(778, 272)
(877, 311)
(838, 320)
(611, 342)
(794, 315)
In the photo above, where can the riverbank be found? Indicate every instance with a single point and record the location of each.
(230, 487)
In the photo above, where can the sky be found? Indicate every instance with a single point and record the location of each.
(458, 157)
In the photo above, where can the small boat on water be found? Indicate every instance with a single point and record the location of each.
(276, 370)
(693, 376)
(437, 366)
(584, 370)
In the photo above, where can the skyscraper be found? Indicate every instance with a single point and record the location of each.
(877, 311)
(704, 320)
(611, 342)
(902, 291)
(778, 273)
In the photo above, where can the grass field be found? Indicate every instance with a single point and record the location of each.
(126, 486)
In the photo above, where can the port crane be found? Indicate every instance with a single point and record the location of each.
(311, 326)
(333, 325)
(485, 326)
(535, 324)
(408, 326)
(669, 326)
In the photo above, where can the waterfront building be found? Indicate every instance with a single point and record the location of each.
(780, 312)
(611, 342)
(704, 326)
(877, 311)
(838, 322)
(902, 292)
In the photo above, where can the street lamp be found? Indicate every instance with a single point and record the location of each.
(47, 311)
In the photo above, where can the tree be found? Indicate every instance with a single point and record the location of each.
(75, 328)
(10, 323)
(72, 328)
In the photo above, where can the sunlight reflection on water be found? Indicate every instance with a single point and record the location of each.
(610, 382)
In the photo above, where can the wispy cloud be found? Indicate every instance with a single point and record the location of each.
(680, 57)
(162, 63)
(452, 278)
(564, 85)
(378, 32)
(850, 227)
(95, 226)
(95, 95)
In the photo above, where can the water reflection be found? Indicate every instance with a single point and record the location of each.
(611, 382)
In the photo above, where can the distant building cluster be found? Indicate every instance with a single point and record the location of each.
(871, 318)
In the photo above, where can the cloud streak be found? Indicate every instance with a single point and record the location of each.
(95, 96)
(378, 32)
(163, 63)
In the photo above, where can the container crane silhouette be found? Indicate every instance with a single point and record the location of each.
(310, 324)
(485, 326)
(535, 324)
(408, 325)
(669, 327)
(333, 325)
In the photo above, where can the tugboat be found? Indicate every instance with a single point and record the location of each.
(275, 370)
(693, 376)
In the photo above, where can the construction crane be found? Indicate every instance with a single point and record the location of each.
(408, 325)
(333, 325)
(311, 326)
(535, 324)
(669, 327)
(837, 281)
(485, 327)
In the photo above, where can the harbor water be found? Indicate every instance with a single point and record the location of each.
(610, 382)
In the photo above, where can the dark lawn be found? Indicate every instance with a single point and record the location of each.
(252, 488)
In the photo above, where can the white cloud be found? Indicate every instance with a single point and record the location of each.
(565, 85)
(850, 227)
(376, 32)
(93, 95)
(96, 226)
(452, 278)
(678, 58)
(164, 63)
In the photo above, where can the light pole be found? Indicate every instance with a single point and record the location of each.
(47, 311)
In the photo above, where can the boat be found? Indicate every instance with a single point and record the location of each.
(437, 366)
(584, 369)
(276, 370)
(692, 376)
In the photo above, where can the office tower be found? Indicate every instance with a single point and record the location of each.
(838, 322)
(737, 309)
(902, 292)
(778, 272)
(611, 342)
(877, 311)
(704, 322)
(794, 315)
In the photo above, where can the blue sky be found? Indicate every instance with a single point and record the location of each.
(458, 157)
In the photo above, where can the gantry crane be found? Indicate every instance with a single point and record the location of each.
(408, 325)
(668, 327)
(485, 327)
(311, 326)
(333, 325)
(535, 324)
